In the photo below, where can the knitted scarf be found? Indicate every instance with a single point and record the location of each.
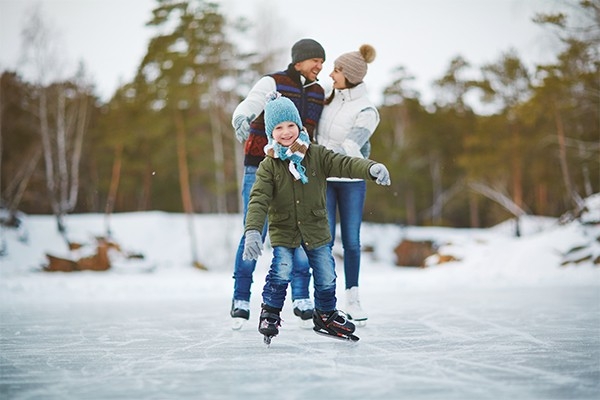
(295, 153)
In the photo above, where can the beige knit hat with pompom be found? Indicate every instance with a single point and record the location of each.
(354, 64)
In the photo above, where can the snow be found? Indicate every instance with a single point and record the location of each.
(506, 320)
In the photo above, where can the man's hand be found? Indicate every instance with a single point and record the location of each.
(242, 127)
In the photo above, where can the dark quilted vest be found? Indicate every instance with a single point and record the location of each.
(309, 101)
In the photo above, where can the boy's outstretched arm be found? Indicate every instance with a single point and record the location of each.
(381, 174)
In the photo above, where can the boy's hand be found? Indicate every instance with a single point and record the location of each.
(381, 174)
(242, 127)
(252, 245)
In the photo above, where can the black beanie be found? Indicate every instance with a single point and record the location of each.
(306, 49)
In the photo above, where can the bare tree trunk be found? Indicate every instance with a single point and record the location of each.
(144, 199)
(186, 195)
(218, 153)
(114, 186)
(61, 152)
(498, 197)
(45, 133)
(81, 128)
(41, 50)
(501, 199)
(411, 210)
(184, 183)
(585, 172)
(436, 181)
(145, 202)
(576, 200)
(517, 171)
(474, 211)
(541, 194)
(16, 188)
(49, 164)
(441, 199)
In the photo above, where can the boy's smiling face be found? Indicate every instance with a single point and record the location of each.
(286, 133)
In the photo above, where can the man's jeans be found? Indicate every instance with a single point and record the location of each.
(243, 270)
(323, 270)
(349, 199)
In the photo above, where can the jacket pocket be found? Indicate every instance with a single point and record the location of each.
(278, 217)
(320, 213)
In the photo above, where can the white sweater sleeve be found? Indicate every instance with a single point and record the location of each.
(255, 102)
(365, 124)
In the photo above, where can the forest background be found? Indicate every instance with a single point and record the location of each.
(164, 140)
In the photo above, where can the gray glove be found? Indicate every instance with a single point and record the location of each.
(382, 175)
(252, 245)
(242, 127)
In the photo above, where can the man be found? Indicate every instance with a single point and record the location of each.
(298, 83)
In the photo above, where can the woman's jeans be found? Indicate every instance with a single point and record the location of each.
(348, 198)
(323, 270)
(243, 270)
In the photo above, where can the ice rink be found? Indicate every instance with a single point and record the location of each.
(502, 343)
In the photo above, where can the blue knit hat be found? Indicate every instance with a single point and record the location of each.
(279, 109)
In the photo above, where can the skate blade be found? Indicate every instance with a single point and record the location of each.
(267, 340)
(348, 338)
(359, 322)
(237, 323)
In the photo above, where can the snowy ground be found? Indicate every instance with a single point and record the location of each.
(507, 321)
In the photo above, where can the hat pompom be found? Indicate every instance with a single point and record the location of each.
(367, 52)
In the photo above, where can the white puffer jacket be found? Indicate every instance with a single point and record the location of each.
(348, 122)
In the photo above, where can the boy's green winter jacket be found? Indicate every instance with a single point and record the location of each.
(296, 211)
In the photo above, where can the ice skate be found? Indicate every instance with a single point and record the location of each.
(334, 324)
(240, 313)
(303, 309)
(269, 323)
(353, 309)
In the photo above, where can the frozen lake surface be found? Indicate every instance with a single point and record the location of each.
(492, 343)
(506, 321)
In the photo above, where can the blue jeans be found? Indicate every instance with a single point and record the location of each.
(323, 269)
(243, 270)
(349, 199)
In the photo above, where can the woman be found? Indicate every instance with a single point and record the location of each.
(349, 119)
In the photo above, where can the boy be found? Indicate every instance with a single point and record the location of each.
(290, 188)
(299, 83)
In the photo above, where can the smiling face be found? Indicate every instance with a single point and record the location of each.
(310, 68)
(339, 80)
(286, 133)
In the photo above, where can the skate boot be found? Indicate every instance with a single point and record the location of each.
(353, 308)
(303, 309)
(334, 324)
(269, 323)
(240, 312)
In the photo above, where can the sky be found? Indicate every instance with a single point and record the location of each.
(422, 36)
(506, 320)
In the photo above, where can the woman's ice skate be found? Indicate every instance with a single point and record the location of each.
(353, 308)
(240, 313)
